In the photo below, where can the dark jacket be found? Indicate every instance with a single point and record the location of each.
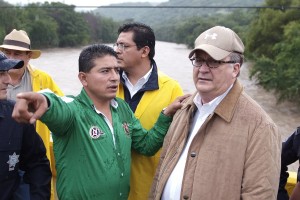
(21, 148)
(290, 154)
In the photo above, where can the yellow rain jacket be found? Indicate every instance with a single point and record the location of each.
(41, 80)
(151, 104)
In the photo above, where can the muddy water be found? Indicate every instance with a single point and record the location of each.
(62, 65)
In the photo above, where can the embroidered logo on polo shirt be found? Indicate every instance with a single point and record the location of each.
(126, 128)
(12, 161)
(95, 132)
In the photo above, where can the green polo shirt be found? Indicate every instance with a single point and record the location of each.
(89, 164)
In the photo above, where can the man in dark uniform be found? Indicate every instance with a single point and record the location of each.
(20, 146)
(290, 154)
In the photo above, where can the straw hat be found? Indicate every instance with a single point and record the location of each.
(19, 40)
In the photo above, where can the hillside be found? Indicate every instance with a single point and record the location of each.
(157, 16)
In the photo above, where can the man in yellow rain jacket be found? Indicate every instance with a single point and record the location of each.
(17, 45)
(147, 91)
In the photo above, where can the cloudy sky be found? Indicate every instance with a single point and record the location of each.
(81, 2)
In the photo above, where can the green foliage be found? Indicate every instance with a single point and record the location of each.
(107, 30)
(47, 34)
(280, 72)
(177, 32)
(56, 25)
(271, 36)
(275, 36)
(72, 28)
(194, 27)
(157, 17)
(41, 28)
(9, 18)
(103, 30)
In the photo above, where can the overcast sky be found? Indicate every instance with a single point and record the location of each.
(81, 2)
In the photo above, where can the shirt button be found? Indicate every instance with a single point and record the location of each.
(122, 174)
(185, 197)
(193, 154)
(118, 154)
(120, 194)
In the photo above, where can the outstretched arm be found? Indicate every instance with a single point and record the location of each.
(29, 107)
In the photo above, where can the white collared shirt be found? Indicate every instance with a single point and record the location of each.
(133, 89)
(173, 186)
(114, 104)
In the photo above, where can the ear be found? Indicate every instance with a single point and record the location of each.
(83, 78)
(236, 70)
(29, 54)
(145, 51)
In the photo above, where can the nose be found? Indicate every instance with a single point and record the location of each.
(203, 68)
(6, 78)
(117, 50)
(115, 75)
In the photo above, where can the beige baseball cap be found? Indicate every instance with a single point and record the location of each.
(218, 42)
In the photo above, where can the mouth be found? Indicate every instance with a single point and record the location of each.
(119, 60)
(113, 87)
(204, 79)
(3, 90)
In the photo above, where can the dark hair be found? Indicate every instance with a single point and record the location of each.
(90, 53)
(143, 35)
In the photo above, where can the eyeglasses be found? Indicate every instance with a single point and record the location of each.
(121, 46)
(198, 62)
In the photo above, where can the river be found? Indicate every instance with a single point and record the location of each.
(172, 59)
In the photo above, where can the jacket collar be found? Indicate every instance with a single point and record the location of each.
(86, 100)
(32, 70)
(226, 107)
(152, 83)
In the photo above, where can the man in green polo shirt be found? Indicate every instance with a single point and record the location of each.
(93, 133)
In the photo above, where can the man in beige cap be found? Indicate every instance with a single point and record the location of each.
(17, 45)
(221, 143)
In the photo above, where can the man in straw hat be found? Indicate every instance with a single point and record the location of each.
(221, 143)
(21, 147)
(17, 45)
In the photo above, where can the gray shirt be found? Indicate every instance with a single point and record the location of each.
(24, 86)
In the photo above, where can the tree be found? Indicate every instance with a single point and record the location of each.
(275, 44)
(102, 29)
(282, 73)
(41, 28)
(10, 18)
(72, 29)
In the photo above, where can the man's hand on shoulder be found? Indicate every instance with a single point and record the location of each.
(175, 105)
